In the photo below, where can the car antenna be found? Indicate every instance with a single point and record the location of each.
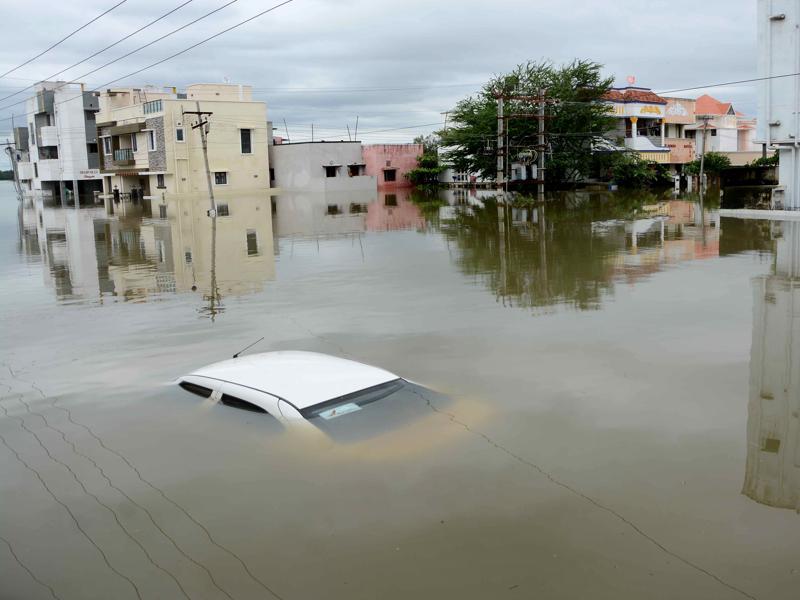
(246, 348)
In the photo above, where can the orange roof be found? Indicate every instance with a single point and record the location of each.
(707, 105)
(633, 95)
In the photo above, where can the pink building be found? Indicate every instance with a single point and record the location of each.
(389, 163)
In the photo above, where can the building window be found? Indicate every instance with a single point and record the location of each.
(271, 174)
(390, 200)
(162, 211)
(390, 175)
(247, 140)
(252, 242)
(223, 211)
(713, 133)
(151, 140)
(221, 178)
(179, 134)
(36, 169)
(331, 171)
(160, 181)
(33, 137)
(91, 148)
(134, 143)
(107, 145)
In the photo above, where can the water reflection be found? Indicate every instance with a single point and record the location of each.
(772, 473)
(122, 251)
(573, 251)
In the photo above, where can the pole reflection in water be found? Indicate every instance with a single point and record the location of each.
(772, 472)
(139, 251)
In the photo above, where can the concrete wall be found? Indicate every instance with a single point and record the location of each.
(401, 157)
(301, 167)
(779, 54)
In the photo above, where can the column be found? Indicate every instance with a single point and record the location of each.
(663, 133)
(634, 132)
(75, 193)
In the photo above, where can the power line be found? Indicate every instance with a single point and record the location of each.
(185, 50)
(755, 79)
(134, 51)
(91, 56)
(84, 26)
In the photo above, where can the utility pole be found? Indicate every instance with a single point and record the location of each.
(202, 123)
(501, 150)
(703, 155)
(542, 145)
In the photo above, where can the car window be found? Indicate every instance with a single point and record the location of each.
(374, 411)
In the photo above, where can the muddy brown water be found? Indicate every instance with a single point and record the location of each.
(622, 418)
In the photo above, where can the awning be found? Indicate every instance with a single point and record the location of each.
(123, 129)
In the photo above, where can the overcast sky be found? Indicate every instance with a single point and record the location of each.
(325, 61)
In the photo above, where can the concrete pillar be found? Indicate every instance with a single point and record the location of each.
(62, 192)
(789, 173)
(663, 132)
(634, 132)
(76, 193)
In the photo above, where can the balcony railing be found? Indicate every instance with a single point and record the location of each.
(123, 155)
(154, 106)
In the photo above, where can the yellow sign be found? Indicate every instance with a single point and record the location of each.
(650, 110)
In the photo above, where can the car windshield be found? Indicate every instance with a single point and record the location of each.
(373, 411)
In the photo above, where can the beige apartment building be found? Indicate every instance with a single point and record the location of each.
(149, 150)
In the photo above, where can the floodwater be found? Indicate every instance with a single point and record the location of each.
(621, 420)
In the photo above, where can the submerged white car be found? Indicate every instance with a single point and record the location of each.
(345, 398)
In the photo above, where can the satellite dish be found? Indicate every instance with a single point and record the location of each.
(631, 79)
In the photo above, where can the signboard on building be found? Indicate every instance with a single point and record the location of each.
(680, 111)
(89, 173)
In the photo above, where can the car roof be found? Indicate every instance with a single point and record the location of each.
(303, 379)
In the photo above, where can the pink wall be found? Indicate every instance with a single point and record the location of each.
(402, 157)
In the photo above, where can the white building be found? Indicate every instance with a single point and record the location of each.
(320, 167)
(772, 474)
(62, 141)
(779, 99)
(724, 129)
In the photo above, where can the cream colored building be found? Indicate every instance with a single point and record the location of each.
(148, 148)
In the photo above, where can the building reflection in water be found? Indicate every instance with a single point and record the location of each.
(573, 251)
(133, 251)
(772, 472)
(343, 214)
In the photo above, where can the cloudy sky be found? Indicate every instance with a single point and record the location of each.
(394, 64)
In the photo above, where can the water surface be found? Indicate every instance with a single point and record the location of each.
(622, 375)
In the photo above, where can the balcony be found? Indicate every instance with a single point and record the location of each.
(123, 158)
(25, 170)
(152, 107)
(49, 169)
(48, 136)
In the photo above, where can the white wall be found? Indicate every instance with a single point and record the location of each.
(779, 54)
(300, 167)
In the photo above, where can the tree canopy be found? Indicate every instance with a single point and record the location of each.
(575, 119)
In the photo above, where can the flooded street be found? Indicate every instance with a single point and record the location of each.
(622, 375)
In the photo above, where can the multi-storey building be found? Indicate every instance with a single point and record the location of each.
(61, 142)
(779, 97)
(640, 125)
(149, 147)
(727, 130)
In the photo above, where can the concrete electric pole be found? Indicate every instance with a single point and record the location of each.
(202, 123)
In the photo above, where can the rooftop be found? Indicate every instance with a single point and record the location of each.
(633, 94)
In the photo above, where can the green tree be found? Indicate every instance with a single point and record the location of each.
(715, 163)
(575, 119)
(430, 143)
(630, 170)
(427, 171)
(761, 161)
